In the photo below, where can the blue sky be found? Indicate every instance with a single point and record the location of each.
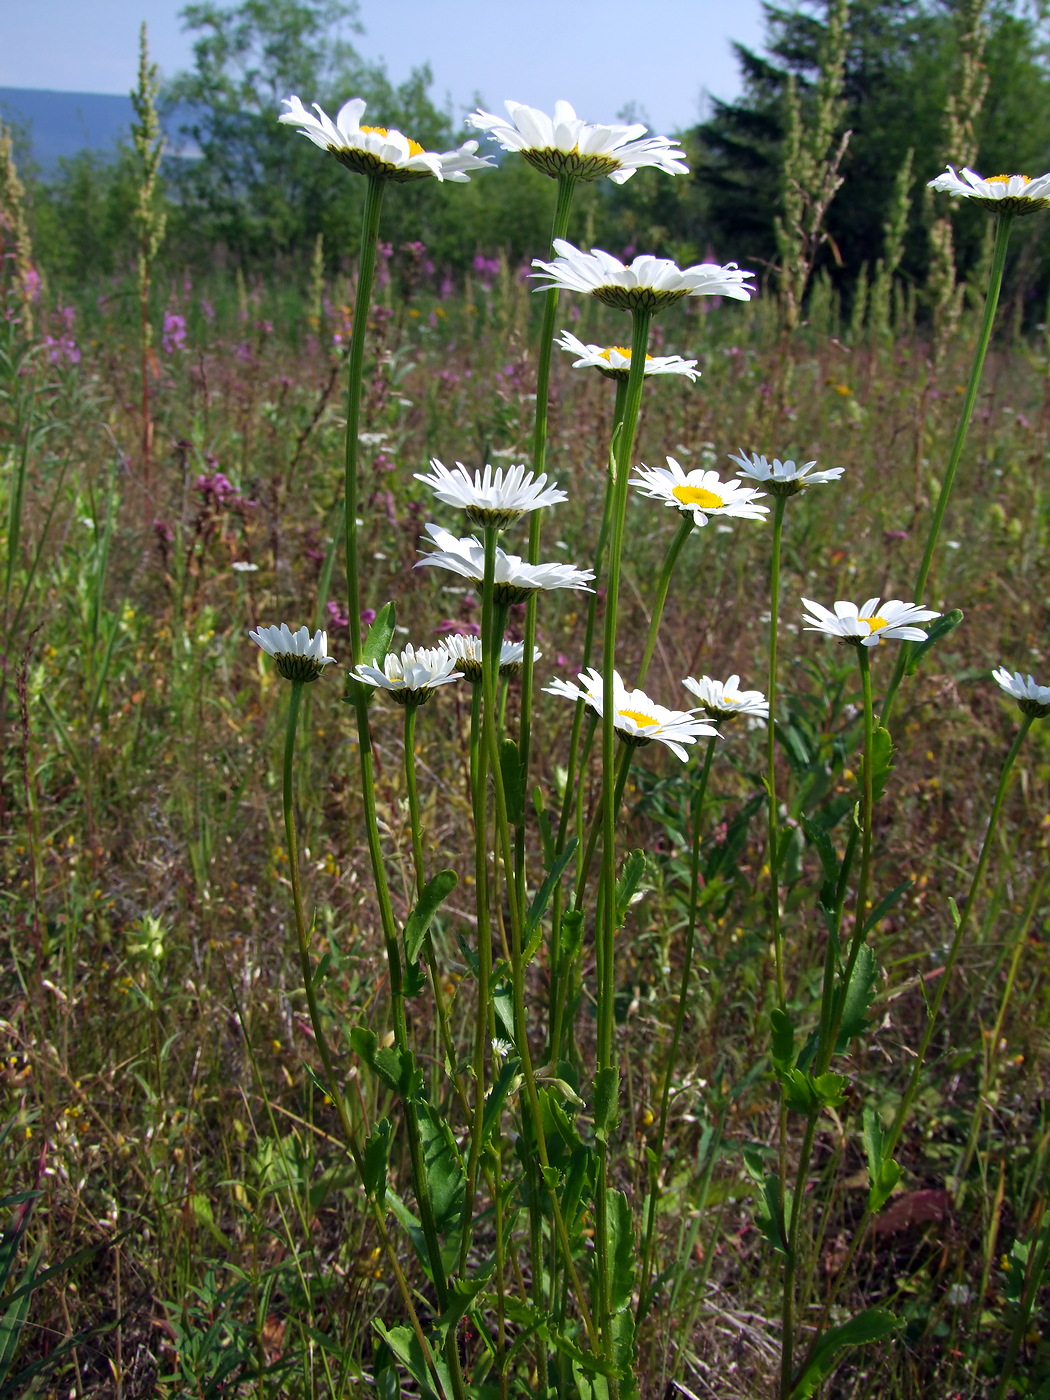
(662, 55)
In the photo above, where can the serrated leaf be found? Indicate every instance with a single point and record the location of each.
(381, 1060)
(376, 1156)
(797, 1087)
(936, 631)
(444, 1168)
(606, 1100)
(513, 790)
(462, 1294)
(621, 1251)
(829, 1088)
(858, 998)
(783, 1037)
(627, 884)
(435, 892)
(881, 760)
(818, 837)
(871, 1325)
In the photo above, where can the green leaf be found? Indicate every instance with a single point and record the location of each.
(936, 631)
(885, 904)
(858, 998)
(621, 1251)
(870, 1326)
(383, 1062)
(818, 837)
(783, 1033)
(606, 1101)
(513, 790)
(404, 1343)
(379, 636)
(376, 1156)
(627, 884)
(435, 892)
(799, 1093)
(444, 1168)
(463, 1292)
(882, 752)
(538, 907)
(883, 1173)
(508, 1080)
(829, 1089)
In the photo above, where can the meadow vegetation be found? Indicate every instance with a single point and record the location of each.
(171, 1149)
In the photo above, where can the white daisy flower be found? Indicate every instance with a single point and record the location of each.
(299, 656)
(375, 150)
(723, 699)
(648, 282)
(412, 676)
(873, 622)
(497, 496)
(614, 361)
(1031, 699)
(465, 651)
(243, 566)
(699, 491)
(564, 145)
(637, 719)
(782, 478)
(1004, 194)
(515, 581)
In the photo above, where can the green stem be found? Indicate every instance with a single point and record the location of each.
(1003, 226)
(413, 798)
(607, 988)
(676, 1035)
(787, 1333)
(355, 363)
(683, 532)
(779, 502)
(559, 228)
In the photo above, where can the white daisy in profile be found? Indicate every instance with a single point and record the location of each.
(465, 651)
(565, 145)
(703, 493)
(497, 496)
(637, 719)
(411, 676)
(614, 361)
(782, 478)
(648, 282)
(871, 623)
(515, 581)
(378, 150)
(1003, 194)
(299, 656)
(724, 699)
(1032, 699)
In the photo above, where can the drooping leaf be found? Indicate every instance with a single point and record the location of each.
(435, 892)
(872, 1325)
(885, 904)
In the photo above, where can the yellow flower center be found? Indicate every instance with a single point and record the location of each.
(414, 148)
(638, 717)
(620, 350)
(697, 496)
(1005, 179)
(874, 623)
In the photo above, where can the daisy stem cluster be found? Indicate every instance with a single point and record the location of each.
(771, 748)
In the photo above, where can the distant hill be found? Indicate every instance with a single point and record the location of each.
(57, 124)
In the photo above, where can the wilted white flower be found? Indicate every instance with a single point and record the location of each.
(637, 719)
(299, 656)
(564, 145)
(496, 497)
(873, 622)
(515, 581)
(1004, 194)
(375, 150)
(614, 361)
(648, 282)
(723, 699)
(465, 651)
(412, 676)
(782, 478)
(1031, 699)
(700, 492)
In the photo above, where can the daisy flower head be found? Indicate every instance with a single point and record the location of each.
(782, 478)
(649, 283)
(465, 651)
(724, 699)
(873, 622)
(1031, 699)
(699, 492)
(378, 150)
(496, 497)
(637, 719)
(515, 581)
(299, 656)
(614, 361)
(412, 676)
(565, 145)
(1002, 194)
